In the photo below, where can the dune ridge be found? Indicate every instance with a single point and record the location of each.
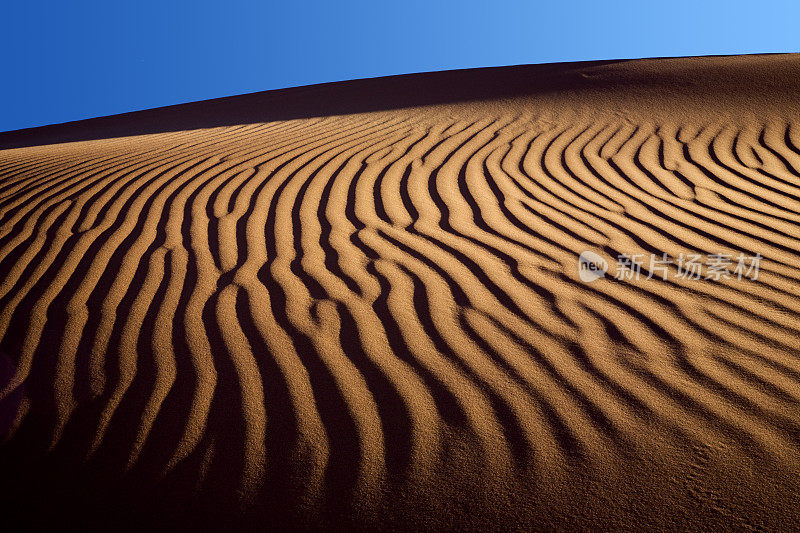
(378, 317)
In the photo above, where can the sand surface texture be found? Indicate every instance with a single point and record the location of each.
(361, 304)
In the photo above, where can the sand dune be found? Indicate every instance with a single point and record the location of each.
(375, 316)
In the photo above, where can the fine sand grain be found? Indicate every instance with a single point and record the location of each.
(359, 304)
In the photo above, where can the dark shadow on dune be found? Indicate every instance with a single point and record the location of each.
(9, 404)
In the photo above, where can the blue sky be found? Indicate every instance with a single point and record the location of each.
(68, 60)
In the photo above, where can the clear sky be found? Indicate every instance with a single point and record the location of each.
(67, 60)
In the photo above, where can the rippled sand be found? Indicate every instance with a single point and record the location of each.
(361, 304)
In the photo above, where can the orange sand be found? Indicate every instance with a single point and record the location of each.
(359, 304)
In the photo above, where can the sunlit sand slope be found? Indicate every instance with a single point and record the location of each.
(378, 318)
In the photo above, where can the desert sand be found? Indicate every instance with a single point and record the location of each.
(360, 305)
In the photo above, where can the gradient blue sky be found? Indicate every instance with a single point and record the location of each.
(67, 60)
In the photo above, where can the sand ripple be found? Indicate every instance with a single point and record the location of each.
(344, 312)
